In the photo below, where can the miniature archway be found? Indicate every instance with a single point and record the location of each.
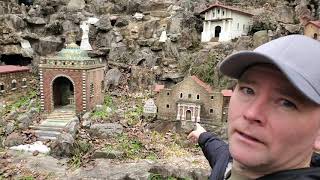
(217, 31)
(315, 36)
(62, 91)
(188, 115)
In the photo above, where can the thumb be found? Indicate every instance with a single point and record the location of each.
(198, 126)
(190, 135)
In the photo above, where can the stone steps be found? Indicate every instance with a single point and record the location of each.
(53, 125)
(60, 115)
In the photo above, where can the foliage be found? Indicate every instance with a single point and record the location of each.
(81, 147)
(169, 145)
(205, 68)
(108, 101)
(160, 177)
(24, 101)
(133, 116)
(75, 161)
(152, 156)
(26, 178)
(104, 112)
(131, 147)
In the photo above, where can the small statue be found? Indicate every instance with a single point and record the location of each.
(85, 45)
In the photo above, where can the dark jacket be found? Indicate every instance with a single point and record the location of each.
(217, 153)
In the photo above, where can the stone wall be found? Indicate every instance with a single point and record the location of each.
(96, 78)
(22, 79)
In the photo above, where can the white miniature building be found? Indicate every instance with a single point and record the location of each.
(223, 23)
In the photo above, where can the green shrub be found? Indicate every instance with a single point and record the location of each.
(133, 116)
(26, 178)
(131, 147)
(104, 113)
(81, 147)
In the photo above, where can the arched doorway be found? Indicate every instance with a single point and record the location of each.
(315, 36)
(63, 92)
(217, 31)
(188, 115)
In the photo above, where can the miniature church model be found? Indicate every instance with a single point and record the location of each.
(189, 100)
(71, 79)
(224, 23)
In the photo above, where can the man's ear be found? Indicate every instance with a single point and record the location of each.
(316, 145)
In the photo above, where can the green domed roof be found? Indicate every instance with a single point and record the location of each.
(73, 52)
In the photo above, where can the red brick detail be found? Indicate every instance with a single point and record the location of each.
(50, 74)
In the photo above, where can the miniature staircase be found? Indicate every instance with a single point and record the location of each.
(54, 124)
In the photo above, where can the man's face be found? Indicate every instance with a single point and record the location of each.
(271, 125)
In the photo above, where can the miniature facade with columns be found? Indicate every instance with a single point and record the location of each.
(71, 79)
(224, 23)
(190, 100)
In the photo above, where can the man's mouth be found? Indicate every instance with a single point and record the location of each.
(246, 136)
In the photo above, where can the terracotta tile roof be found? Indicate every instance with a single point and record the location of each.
(226, 92)
(226, 7)
(158, 88)
(12, 68)
(316, 23)
(203, 84)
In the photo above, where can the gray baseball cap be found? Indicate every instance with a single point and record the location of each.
(297, 56)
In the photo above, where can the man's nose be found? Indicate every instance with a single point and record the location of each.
(256, 110)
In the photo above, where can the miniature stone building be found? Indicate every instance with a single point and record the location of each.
(189, 100)
(71, 78)
(223, 23)
(14, 79)
(312, 29)
(226, 94)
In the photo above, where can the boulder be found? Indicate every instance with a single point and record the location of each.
(36, 20)
(14, 139)
(54, 27)
(24, 121)
(108, 154)
(285, 14)
(112, 78)
(144, 57)
(138, 16)
(149, 28)
(63, 146)
(70, 26)
(119, 52)
(260, 38)
(293, 28)
(104, 39)
(13, 21)
(121, 22)
(243, 43)
(48, 45)
(104, 24)
(76, 4)
(72, 127)
(9, 128)
(106, 130)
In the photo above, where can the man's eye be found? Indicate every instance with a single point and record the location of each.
(247, 90)
(288, 104)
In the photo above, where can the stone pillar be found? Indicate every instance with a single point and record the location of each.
(183, 114)
(178, 114)
(224, 29)
(192, 113)
(198, 116)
